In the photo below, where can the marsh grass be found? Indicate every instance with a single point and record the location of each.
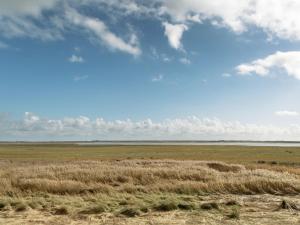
(235, 214)
(289, 205)
(134, 188)
(142, 176)
(97, 209)
(210, 206)
(130, 212)
(20, 206)
(165, 206)
(289, 156)
(63, 210)
(232, 203)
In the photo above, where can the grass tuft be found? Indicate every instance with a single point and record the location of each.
(288, 205)
(94, 210)
(61, 211)
(186, 206)
(130, 212)
(2, 205)
(232, 203)
(20, 206)
(235, 214)
(166, 205)
(209, 206)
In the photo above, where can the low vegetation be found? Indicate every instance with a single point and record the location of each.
(136, 191)
(264, 155)
(141, 176)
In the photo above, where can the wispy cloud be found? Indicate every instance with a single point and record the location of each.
(77, 49)
(76, 59)
(185, 61)
(159, 56)
(80, 78)
(287, 113)
(226, 75)
(157, 78)
(29, 18)
(166, 58)
(102, 33)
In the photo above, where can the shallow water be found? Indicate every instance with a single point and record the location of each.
(227, 143)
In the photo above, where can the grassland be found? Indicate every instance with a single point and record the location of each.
(232, 154)
(70, 184)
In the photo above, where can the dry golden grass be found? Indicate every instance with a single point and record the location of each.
(132, 176)
(111, 192)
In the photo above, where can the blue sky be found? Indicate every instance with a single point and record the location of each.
(82, 70)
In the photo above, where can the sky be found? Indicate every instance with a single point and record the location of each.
(149, 70)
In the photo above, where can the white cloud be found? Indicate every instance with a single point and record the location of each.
(28, 18)
(287, 61)
(281, 20)
(278, 18)
(101, 31)
(286, 113)
(228, 12)
(25, 7)
(24, 19)
(33, 126)
(185, 61)
(158, 78)
(76, 59)
(80, 78)
(19, 27)
(174, 34)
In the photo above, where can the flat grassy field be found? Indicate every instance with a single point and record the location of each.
(148, 185)
(233, 154)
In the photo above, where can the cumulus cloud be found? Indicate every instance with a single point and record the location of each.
(228, 12)
(76, 59)
(174, 34)
(286, 113)
(33, 126)
(280, 20)
(287, 61)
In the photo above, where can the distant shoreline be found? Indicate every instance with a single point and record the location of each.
(166, 142)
